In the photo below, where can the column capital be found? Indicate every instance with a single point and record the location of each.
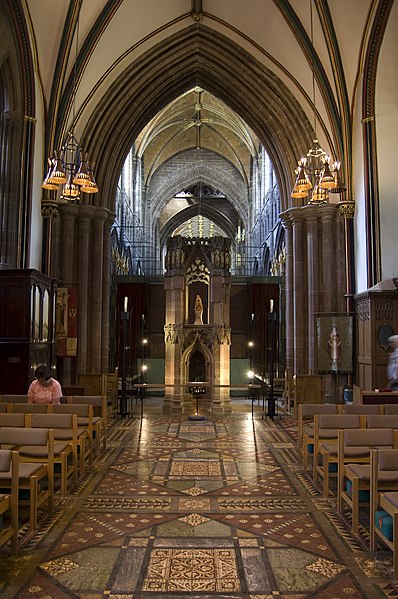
(49, 209)
(68, 211)
(86, 211)
(311, 213)
(329, 212)
(101, 214)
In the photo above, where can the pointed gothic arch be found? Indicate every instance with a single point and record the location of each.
(197, 55)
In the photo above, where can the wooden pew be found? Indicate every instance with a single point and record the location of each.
(354, 469)
(35, 477)
(384, 505)
(9, 462)
(100, 407)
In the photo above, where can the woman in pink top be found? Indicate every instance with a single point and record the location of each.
(44, 389)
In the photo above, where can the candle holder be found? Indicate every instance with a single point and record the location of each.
(125, 317)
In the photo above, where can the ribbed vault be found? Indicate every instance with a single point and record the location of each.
(206, 211)
(198, 166)
(201, 56)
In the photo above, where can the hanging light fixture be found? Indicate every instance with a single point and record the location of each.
(69, 168)
(316, 177)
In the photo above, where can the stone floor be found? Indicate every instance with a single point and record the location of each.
(203, 509)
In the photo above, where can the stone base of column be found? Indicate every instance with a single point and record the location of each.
(220, 407)
(172, 405)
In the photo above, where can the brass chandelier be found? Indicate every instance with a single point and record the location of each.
(70, 170)
(316, 176)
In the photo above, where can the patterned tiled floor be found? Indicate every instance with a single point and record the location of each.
(203, 509)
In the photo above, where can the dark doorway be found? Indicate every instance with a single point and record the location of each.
(197, 366)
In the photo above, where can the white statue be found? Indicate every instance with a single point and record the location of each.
(198, 310)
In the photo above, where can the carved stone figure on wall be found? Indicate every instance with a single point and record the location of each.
(172, 333)
(198, 310)
(224, 334)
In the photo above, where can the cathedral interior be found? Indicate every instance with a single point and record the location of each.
(197, 206)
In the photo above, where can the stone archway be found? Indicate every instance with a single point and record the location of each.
(197, 55)
(189, 262)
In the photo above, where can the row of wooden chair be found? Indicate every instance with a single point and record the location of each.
(69, 448)
(98, 403)
(85, 418)
(9, 462)
(365, 456)
(34, 438)
(44, 436)
(355, 473)
(307, 412)
(384, 513)
(34, 470)
(374, 486)
(326, 430)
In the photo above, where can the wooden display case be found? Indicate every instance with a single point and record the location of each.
(27, 300)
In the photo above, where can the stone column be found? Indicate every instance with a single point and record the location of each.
(50, 213)
(10, 143)
(299, 293)
(106, 291)
(175, 309)
(85, 216)
(341, 262)
(311, 215)
(289, 294)
(329, 287)
(216, 300)
(69, 213)
(220, 401)
(331, 295)
(96, 284)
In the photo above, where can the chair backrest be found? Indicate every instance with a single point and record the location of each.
(80, 409)
(361, 409)
(388, 459)
(368, 437)
(382, 421)
(27, 408)
(15, 398)
(310, 409)
(5, 460)
(9, 461)
(3, 408)
(391, 408)
(12, 420)
(94, 400)
(99, 403)
(18, 436)
(338, 421)
(52, 421)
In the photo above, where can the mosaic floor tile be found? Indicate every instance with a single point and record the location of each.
(276, 483)
(122, 483)
(192, 570)
(177, 508)
(85, 571)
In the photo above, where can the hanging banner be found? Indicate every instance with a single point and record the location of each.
(334, 334)
(66, 322)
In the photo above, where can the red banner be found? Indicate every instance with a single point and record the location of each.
(66, 322)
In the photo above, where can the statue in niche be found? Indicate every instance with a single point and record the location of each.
(198, 310)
